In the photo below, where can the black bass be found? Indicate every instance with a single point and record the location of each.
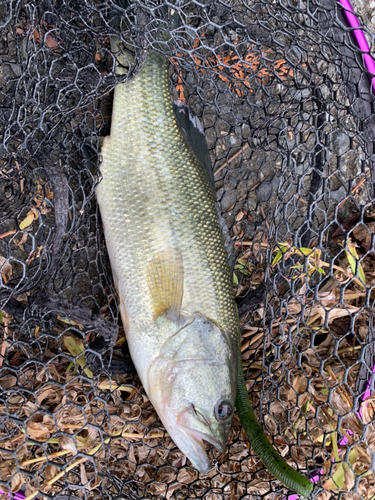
(169, 265)
(171, 272)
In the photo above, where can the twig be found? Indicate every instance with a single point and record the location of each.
(258, 183)
(62, 473)
(226, 163)
(358, 185)
(44, 458)
(9, 233)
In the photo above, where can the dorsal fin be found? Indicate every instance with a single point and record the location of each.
(193, 134)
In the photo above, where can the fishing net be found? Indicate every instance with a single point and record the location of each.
(286, 104)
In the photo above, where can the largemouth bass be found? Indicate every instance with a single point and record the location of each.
(171, 272)
(169, 265)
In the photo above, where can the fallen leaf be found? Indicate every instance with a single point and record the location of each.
(49, 192)
(363, 235)
(40, 427)
(51, 42)
(76, 348)
(7, 381)
(6, 269)
(20, 243)
(50, 472)
(67, 443)
(30, 217)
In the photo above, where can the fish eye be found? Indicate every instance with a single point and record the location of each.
(223, 410)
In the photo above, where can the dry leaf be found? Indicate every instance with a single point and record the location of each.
(67, 443)
(40, 427)
(50, 472)
(84, 479)
(29, 219)
(258, 487)
(20, 243)
(187, 476)
(7, 381)
(94, 483)
(51, 42)
(6, 472)
(6, 269)
(52, 393)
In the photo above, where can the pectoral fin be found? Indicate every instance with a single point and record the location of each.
(166, 283)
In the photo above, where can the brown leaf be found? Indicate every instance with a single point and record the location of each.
(39, 196)
(52, 393)
(67, 443)
(50, 472)
(6, 269)
(363, 235)
(187, 476)
(94, 483)
(20, 243)
(6, 471)
(49, 192)
(258, 487)
(8, 381)
(36, 35)
(51, 42)
(84, 479)
(40, 427)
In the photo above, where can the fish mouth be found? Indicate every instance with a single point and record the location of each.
(199, 437)
(195, 438)
(197, 453)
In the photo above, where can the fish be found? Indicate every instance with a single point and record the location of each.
(170, 262)
(169, 265)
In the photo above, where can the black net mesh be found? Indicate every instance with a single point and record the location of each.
(286, 105)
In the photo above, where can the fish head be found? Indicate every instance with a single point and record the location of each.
(192, 385)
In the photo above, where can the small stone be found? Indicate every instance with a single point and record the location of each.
(340, 142)
(210, 135)
(222, 128)
(228, 200)
(245, 130)
(252, 201)
(339, 195)
(234, 141)
(209, 116)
